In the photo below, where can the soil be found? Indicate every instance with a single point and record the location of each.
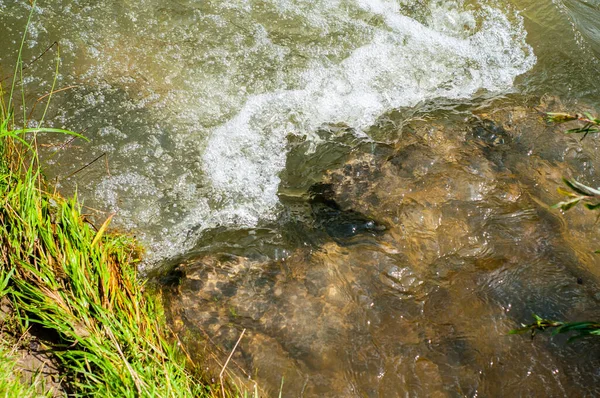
(33, 354)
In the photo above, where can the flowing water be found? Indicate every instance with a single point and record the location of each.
(362, 185)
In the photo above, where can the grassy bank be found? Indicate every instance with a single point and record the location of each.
(77, 286)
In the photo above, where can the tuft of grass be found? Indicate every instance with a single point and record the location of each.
(579, 329)
(590, 124)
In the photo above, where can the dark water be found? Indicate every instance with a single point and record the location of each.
(362, 185)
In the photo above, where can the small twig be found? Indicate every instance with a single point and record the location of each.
(34, 60)
(47, 95)
(68, 142)
(94, 209)
(63, 146)
(20, 339)
(41, 55)
(84, 167)
(15, 214)
(226, 362)
(217, 348)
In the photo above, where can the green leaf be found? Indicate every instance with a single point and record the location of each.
(5, 280)
(10, 134)
(581, 188)
(577, 130)
(577, 326)
(49, 130)
(559, 117)
(520, 330)
(590, 206)
(564, 192)
(566, 205)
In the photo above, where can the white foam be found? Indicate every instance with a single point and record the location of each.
(405, 62)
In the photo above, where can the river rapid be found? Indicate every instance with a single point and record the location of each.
(363, 186)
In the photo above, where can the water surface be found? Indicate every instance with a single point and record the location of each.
(362, 185)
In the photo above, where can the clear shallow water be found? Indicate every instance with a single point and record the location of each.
(316, 167)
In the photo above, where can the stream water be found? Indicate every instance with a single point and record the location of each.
(362, 185)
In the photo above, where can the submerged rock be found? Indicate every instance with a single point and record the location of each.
(433, 253)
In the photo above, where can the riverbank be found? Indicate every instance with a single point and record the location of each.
(70, 292)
